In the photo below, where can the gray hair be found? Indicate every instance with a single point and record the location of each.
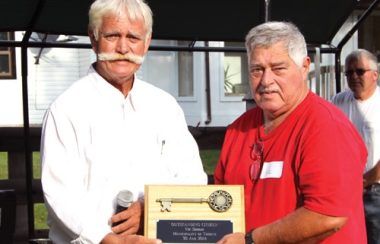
(135, 9)
(362, 53)
(270, 33)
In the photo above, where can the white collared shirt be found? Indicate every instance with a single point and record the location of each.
(366, 118)
(96, 142)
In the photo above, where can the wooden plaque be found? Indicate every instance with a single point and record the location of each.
(187, 220)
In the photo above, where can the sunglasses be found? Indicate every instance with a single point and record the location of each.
(257, 157)
(358, 72)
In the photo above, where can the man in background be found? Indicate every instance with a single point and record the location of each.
(361, 103)
(111, 131)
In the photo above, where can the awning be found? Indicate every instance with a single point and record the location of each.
(203, 20)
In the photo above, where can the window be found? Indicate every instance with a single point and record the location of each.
(185, 73)
(235, 72)
(7, 58)
(172, 71)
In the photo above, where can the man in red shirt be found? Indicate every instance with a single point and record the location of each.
(299, 158)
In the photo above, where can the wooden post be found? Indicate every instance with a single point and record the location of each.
(17, 177)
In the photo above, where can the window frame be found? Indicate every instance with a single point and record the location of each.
(232, 97)
(10, 53)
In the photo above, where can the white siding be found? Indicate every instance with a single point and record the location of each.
(56, 70)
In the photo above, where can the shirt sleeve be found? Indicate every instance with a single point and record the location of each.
(71, 208)
(333, 155)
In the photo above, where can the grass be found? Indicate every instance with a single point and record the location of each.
(36, 165)
(40, 216)
(40, 213)
(3, 165)
(209, 159)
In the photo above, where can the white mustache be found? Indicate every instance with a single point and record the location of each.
(267, 90)
(117, 56)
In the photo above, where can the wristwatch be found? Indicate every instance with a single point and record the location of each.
(248, 238)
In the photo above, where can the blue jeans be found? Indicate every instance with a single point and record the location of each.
(371, 199)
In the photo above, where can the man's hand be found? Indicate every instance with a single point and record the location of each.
(131, 220)
(137, 239)
(234, 238)
(128, 239)
(300, 226)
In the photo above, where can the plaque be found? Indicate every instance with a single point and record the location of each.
(193, 213)
(193, 231)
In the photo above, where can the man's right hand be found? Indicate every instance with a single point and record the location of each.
(130, 220)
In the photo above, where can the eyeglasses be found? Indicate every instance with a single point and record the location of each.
(256, 156)
(358, 72)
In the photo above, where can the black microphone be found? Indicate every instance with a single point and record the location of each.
(124, 199)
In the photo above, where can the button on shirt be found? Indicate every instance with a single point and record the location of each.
(96, 142)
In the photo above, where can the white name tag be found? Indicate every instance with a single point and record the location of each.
(272, 169)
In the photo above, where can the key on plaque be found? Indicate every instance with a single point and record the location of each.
(219, 201)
